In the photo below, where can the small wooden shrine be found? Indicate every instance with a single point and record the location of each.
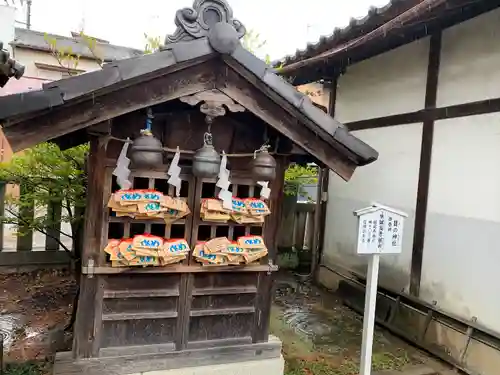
(187, 145)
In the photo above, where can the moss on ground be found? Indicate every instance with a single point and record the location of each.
(337, 351)
(26, 368)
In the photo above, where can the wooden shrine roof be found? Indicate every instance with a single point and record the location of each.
(65, 106)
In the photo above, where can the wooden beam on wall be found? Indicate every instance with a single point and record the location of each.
(425, 165)
(479, 107)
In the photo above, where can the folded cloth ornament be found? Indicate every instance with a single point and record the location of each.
(213, 204)
(117, 207)
(176, 203)
(127, 197)
(150, 208)
(238, 206)
(254, 256)
(147, 241)
(144, 261)
(257, 207)
(175, 247)
(126, 250)
(247, 219)
(216, 245)
(251, 242)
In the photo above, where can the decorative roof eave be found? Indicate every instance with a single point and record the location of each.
(8, 67)
(196, 42)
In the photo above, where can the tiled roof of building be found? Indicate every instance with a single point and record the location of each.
(382, 29)
(25, 38)
(375, 17)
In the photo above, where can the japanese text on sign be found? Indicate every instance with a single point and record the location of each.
(380, 231)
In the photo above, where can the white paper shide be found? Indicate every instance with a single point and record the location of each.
(174, 172)
(122, 172)
(223, 183)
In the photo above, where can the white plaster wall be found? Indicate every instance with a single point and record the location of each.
(392, 181)
(388, 84)
(470, 61)
(461, 252)
(461, 255)
(29, 57)
(7, 22)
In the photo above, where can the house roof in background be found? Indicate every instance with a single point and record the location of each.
(382, 29)
(24, 84)
(25, 38)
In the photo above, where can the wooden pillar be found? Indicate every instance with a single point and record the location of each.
(425, 165)
(85, 325)
(322, 192)
(265, 288)
(275, 205)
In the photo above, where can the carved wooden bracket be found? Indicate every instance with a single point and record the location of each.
(214, 103)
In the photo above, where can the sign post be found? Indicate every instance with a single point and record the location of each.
(380, 231)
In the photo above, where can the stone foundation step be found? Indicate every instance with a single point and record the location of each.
(417, 370)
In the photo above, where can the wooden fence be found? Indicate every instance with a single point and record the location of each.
(34, 248)
(297, 225)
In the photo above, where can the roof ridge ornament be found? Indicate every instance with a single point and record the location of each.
(196, 22)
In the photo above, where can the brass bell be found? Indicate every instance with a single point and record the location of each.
(206, 160)
(263, 166)
(146, 150)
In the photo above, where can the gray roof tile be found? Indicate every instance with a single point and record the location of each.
(247, 59)
(316, 115)
(365, 154)
(283, 88)
(184, 51)
(137, 66)
(85, 83)
(374, 17)
(105, 51)
(26, 102)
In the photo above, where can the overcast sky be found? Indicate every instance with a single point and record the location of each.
(285, 24)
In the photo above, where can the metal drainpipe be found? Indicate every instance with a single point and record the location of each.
(28, 14)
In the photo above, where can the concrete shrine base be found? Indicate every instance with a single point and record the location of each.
(273, 366)
(260, 358)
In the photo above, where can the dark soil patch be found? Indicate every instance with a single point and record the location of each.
(34, 308)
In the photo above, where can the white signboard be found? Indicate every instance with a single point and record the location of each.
(380, 230)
